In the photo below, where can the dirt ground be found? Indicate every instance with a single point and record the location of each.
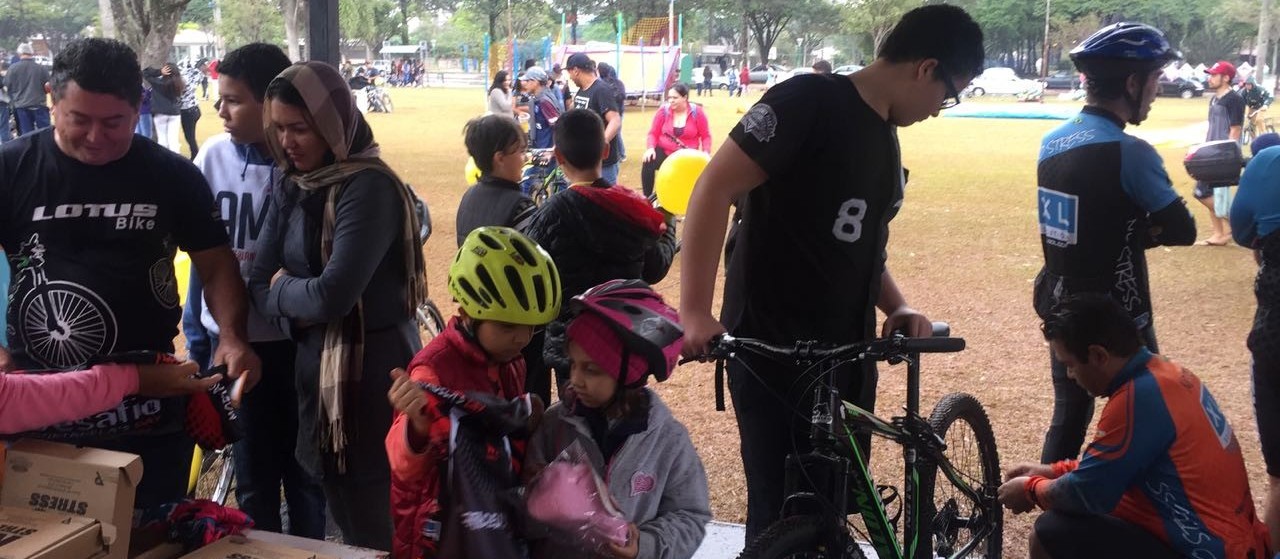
(964, 249)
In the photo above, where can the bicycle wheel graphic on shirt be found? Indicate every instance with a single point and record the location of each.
(63, 324)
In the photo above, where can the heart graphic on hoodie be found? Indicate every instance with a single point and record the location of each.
(641, 483)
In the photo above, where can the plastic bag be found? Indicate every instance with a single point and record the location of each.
(571, 498)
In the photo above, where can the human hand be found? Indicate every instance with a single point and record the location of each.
(170, 379)
(166, 70)
(650, 154)
(6, 360)
(1029, 469)
(279, 274)
(408, 398)
(699, 328)
(632, 547)
(1013, 495)
(911, 322)
(241, 361)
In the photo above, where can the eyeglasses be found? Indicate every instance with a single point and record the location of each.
(953, 97)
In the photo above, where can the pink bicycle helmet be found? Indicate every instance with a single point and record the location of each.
(646, 332)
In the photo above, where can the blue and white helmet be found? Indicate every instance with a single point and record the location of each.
(1122, 49)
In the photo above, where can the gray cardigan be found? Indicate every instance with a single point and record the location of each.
(656, 478)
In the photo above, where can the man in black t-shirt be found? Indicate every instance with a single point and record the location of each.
(90, 217)
(598, 96)
(817, 170)
(1226, 121)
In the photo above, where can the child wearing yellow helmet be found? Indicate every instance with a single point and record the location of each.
(506, 287)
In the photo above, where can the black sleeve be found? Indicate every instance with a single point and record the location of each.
(1235, 109)
(774, 131)
(658, 259)
(198, 225)
(604, 98)
(1173, 225)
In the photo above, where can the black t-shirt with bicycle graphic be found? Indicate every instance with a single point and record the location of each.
(810, 249)
(91, 248)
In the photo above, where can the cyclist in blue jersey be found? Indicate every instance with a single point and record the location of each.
(1104, 198)
(1255, 221)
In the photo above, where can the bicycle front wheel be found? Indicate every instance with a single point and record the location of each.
(955, 523)
(801, 537)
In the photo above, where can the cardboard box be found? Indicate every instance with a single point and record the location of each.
(316, 546)
(90, 482)
(28, 534)
(240, 547)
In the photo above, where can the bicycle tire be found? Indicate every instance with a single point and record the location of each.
(798, 537)
(960, 407)
(217, 476)
(430, 322)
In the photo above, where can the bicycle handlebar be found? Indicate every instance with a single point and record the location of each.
(882, 349)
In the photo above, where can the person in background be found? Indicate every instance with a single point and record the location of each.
(678, 124)
(744, 79)
(497, 145)
(166, 90)
(146, 125)
(559, 85)
(28, 85)
(499, 100)
(822, 67)
(543, 108)
(610, 76)
(339, 268)
(6, 111)
(189, 107)
(1256, 100)
(600, 98)
(1226, 122)
(706, 81)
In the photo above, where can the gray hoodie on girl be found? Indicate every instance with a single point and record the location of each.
(656, 478)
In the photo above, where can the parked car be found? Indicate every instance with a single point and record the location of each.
(847, 69)
(1180, 87)
(760, 72)
(793, 73)
(1001, 81)
(720, 82)
(1061, 80)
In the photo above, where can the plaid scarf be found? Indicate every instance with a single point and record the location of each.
(331, 112)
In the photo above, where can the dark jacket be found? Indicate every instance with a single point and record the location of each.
(164, 95)
(596, 233)
(493, 201)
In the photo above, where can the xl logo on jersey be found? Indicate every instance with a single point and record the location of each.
(127, 216)
(1059, 216)
(1216, 419)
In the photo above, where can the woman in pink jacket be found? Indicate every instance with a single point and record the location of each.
(38, 400)
(678, 124)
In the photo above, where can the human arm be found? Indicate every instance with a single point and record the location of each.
(228, 301)
(683, 511)
(655, 134)
(1255, 211)
(1136, 429)
(499, 102)
(34, 401)
(658, 259)
(368, 217)
(1145, 182)
(899, 315)
(419, 433)
(704, 130)
(1235, 113)
(612, 125)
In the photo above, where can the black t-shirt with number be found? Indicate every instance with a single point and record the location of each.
(811, 245)
(91, 248)
(601, 98)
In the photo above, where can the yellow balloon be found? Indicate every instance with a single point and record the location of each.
(676, 177)
(182, 272)
(472, 172)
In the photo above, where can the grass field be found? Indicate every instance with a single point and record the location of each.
(964, 248)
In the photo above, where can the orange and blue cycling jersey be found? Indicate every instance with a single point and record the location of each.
(1165, 459)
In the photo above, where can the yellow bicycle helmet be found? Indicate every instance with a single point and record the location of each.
(500, 274)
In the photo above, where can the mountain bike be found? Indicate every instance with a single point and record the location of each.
(542, 177)
(1251, 131)
(955, 514)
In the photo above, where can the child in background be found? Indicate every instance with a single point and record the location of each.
(496, 144)
(506, 286)
(621, 334)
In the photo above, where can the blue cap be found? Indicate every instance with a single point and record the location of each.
(1270, 139)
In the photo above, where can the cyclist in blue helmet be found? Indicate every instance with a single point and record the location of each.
(1104, 198)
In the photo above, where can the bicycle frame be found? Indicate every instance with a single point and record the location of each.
(831, 470)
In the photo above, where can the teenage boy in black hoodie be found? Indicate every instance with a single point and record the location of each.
(595, 231)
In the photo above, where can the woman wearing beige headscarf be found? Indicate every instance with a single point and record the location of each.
(342, 272)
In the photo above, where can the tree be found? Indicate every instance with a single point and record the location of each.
(876, 18)
(368, 21)
(58, 21)
(148, 26)
(814, 22)
(251, 21)
(295, 17)
(199, 12)
(766, 19)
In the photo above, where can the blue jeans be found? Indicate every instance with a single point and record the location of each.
(146, 127)
(31, 118)
(5, 115)
(610, 173)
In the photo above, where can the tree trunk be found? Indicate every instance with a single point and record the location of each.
(404, 22)
(1264, 38)
(294, 22)
(148, 27)
(108, 28)
(743, 39)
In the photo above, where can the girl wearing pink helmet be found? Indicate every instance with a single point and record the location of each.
(621, 334)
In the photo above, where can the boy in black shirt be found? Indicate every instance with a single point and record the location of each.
(598, 96)
(817, 167)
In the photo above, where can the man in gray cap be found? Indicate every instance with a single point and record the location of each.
(26, 82)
